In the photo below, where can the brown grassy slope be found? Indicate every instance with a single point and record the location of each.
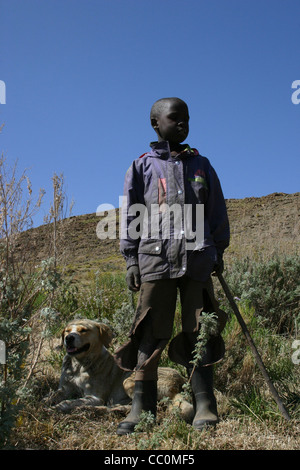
(259, 226)
(262, 226)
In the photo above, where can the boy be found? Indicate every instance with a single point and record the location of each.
(174, 176)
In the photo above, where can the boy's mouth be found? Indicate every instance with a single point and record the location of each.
(182, 130)
(182, 133)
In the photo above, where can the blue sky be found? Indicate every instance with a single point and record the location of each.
(81, 76)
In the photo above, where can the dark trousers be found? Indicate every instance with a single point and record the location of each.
(155, 318)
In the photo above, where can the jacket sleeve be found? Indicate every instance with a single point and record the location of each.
(133, 194)
(216, 213)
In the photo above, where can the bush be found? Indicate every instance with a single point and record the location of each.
(27, 303)
(103, 297)
(272, 287)
(267, 295)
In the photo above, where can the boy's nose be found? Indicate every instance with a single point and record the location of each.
(182, 124)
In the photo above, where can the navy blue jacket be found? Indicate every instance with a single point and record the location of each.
(158, 190)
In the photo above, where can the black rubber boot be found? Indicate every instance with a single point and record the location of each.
(144, 399)
(204, 400)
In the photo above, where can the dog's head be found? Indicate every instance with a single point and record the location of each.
(81, 337)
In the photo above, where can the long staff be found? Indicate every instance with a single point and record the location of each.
(253, 347)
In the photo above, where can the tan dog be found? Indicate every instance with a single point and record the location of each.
(90, 376)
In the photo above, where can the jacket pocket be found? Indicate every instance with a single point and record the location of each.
(151, 258)
(150, 247)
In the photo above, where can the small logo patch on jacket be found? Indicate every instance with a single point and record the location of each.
(199, 177)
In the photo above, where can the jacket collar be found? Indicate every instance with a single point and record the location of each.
(162, 150)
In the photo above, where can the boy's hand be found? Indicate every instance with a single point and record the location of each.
(133, 278)
(219, 267)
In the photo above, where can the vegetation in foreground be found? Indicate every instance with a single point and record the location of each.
(249, 416)
(37, 300)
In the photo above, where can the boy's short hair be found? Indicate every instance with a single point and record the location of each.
(159, 106)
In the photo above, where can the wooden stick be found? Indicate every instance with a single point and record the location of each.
(253, 347)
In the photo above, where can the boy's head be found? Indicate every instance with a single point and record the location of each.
(170, 120)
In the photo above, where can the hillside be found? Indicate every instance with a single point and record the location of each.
(249, 418)
(259, 227)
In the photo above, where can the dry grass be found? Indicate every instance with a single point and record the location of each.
(259, 226)
(41, 429)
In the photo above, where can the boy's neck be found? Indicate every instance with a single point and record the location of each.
(176, 147)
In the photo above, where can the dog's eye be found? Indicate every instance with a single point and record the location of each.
(83, 330)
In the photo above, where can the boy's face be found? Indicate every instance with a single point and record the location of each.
(173, 122)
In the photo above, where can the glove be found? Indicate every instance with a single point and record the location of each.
(219, 266)
(133, 278)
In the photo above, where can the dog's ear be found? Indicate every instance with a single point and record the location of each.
(106, 334)
(62, 337)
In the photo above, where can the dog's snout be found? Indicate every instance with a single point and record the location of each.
(69, 339)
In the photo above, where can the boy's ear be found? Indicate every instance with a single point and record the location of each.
(154, 123)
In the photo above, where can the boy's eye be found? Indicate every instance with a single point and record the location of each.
(176, 117)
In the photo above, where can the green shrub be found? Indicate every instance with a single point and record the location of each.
(105, 294)
(267, 295)
(272, 287)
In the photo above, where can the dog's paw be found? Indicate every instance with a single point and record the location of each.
(64, 406)
(53, 398)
